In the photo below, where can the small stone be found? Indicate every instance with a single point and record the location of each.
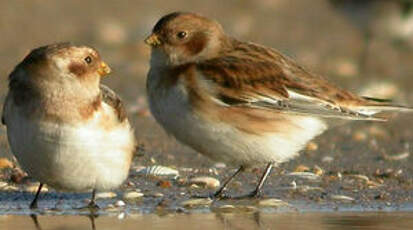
(120, 203)
(379, 132)
(304, 175)
(220, 165)
(10, 188)
(156, 194)
(17, 176)
(3, 184)
(396, 157)
(164, 184)
(105, 195)
(327, 159)
(302, 168)
(359, 136)
(342, 198)
(206, 182)
(312, 146)
(121, 216)
(196, 202)
(5, 163)
(360, 177)
(158, 170)
(293, 184)
(318, 171)
(132, 195)
(34, 187)
(227, 208)
(272, 203)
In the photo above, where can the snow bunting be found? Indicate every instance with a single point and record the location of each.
(239, 102)
(65, 129)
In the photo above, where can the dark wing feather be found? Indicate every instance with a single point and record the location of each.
(259, 77)
(113, 100)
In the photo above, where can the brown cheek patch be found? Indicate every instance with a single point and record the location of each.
(196, 44)
(77, 69)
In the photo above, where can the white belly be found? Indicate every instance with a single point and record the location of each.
(71, 157)
(223, 142)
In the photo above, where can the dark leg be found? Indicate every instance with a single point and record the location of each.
(92, 218)
(36, 222)
(33, 205)
(92, 204)
(219, 192)
(257, 192)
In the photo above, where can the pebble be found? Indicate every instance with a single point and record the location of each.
(206, 182)
(5, 163)
(196, 202)
(227, 208)
(132, 195)
(302, 168)
(360, 177)
(158, 170)
(327, 159)
(272, 203)
(342, 198)
(156, 194)
(312, 146)
(121, 216)
(105, 195)
(3, 184)
(304, 175)
(10, 188)
(34, 187)
(396, 157)
(220, 165)
(359, 136)
(318, 171)
(164, 184)
(120, 203)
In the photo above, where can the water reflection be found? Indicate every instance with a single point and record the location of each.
(237, 221)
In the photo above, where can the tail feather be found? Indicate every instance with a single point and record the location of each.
(380, 106)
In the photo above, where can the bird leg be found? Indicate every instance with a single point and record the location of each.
(92, 204)
(219, 193)
(33, 205)
(257, 192)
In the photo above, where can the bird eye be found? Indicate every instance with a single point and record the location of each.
(181, 34)
(88, 59)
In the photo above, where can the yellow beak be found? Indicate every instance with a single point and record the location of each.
(153, 40)
(104, 69)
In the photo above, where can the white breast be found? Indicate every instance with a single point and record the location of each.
(221, 141)
(71, 157)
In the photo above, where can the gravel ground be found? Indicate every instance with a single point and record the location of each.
(361, 166)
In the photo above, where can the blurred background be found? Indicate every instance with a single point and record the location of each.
(364, 46)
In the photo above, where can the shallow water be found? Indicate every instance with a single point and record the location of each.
(306, 221)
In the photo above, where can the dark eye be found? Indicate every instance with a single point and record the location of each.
(88, 59)
(181, 34)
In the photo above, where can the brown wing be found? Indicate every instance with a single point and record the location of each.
(113, 100)
(259, 77)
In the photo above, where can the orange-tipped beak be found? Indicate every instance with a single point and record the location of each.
(104, 69)
(153, 40)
